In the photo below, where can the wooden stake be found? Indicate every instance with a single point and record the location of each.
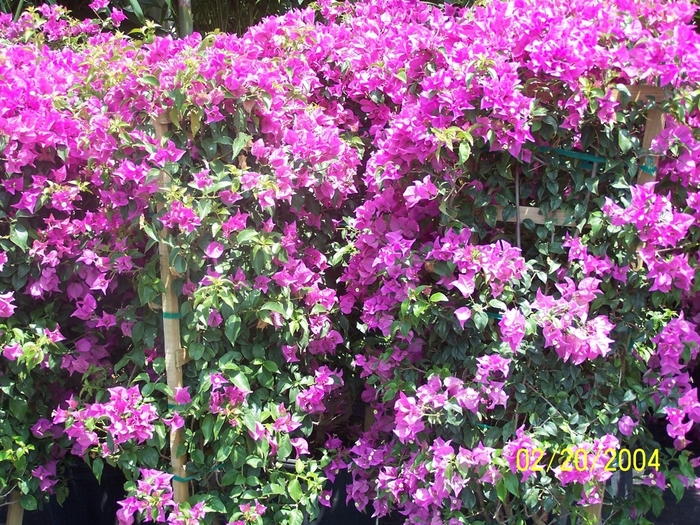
(15, 512)
(171, 327)
(594, 513)
(654, 125)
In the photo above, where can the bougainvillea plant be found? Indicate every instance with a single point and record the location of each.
(344, 180)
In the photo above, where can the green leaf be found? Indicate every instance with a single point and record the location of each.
(480, 320)
(254, 461)
(296, 517)
(149, 456)
(208, 428)
(512, 484)
(295, 490)
(216, 504)
(491, 216)
(97, 468)
(195, 122)
(233, 327)
(401, 74)
(210, 147)
(196, 351)
(137, 331)
(271, 366)
(246, 235)
(241, 381)
(223, 452)
(501, 490)
(465, 152)
(275, 307)
(151, 80)
(18, 407)
(138, 12)
(438, 297)
(230, 477)
(677, 488)
(284, 447)
(241, 140)
(28, 502)
(19, 235)
(623, 140)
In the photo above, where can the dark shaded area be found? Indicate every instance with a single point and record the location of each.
(686, 512)
(339, 512)
(88, 502)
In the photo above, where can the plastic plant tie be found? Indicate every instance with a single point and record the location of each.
(172, 315)
(573, 154)
(192, 478)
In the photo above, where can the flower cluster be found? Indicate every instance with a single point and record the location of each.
(153, 501)
(326, 381)
(226, 399)
(565, 322)
(125, 417)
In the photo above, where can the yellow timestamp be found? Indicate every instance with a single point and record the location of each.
(579, 460)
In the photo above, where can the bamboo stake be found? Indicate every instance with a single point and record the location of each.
(171, 326)
(15, 512)
(594, 512)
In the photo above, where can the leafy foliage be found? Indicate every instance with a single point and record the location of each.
(334, 192)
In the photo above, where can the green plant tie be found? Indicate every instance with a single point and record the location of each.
(172, 315)
(573, 154)
(192, 478)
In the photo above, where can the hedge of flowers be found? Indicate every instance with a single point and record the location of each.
(336, 243)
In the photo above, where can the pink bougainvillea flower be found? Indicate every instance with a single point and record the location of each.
(214, 250)
(512, 326)
(96, 5)
(7, 308)
(175, 422)
(117, 16)
(463, 314)
(182, 395)
(421, 190)
(626, 425)
(235, 223)
(12, 351)
(215, 318)
(46, 474)
(289, 353)
(300, 445)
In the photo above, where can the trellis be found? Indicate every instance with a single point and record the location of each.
(655, 122)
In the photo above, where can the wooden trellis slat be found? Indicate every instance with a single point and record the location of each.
(174, 354)
(535, 215)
